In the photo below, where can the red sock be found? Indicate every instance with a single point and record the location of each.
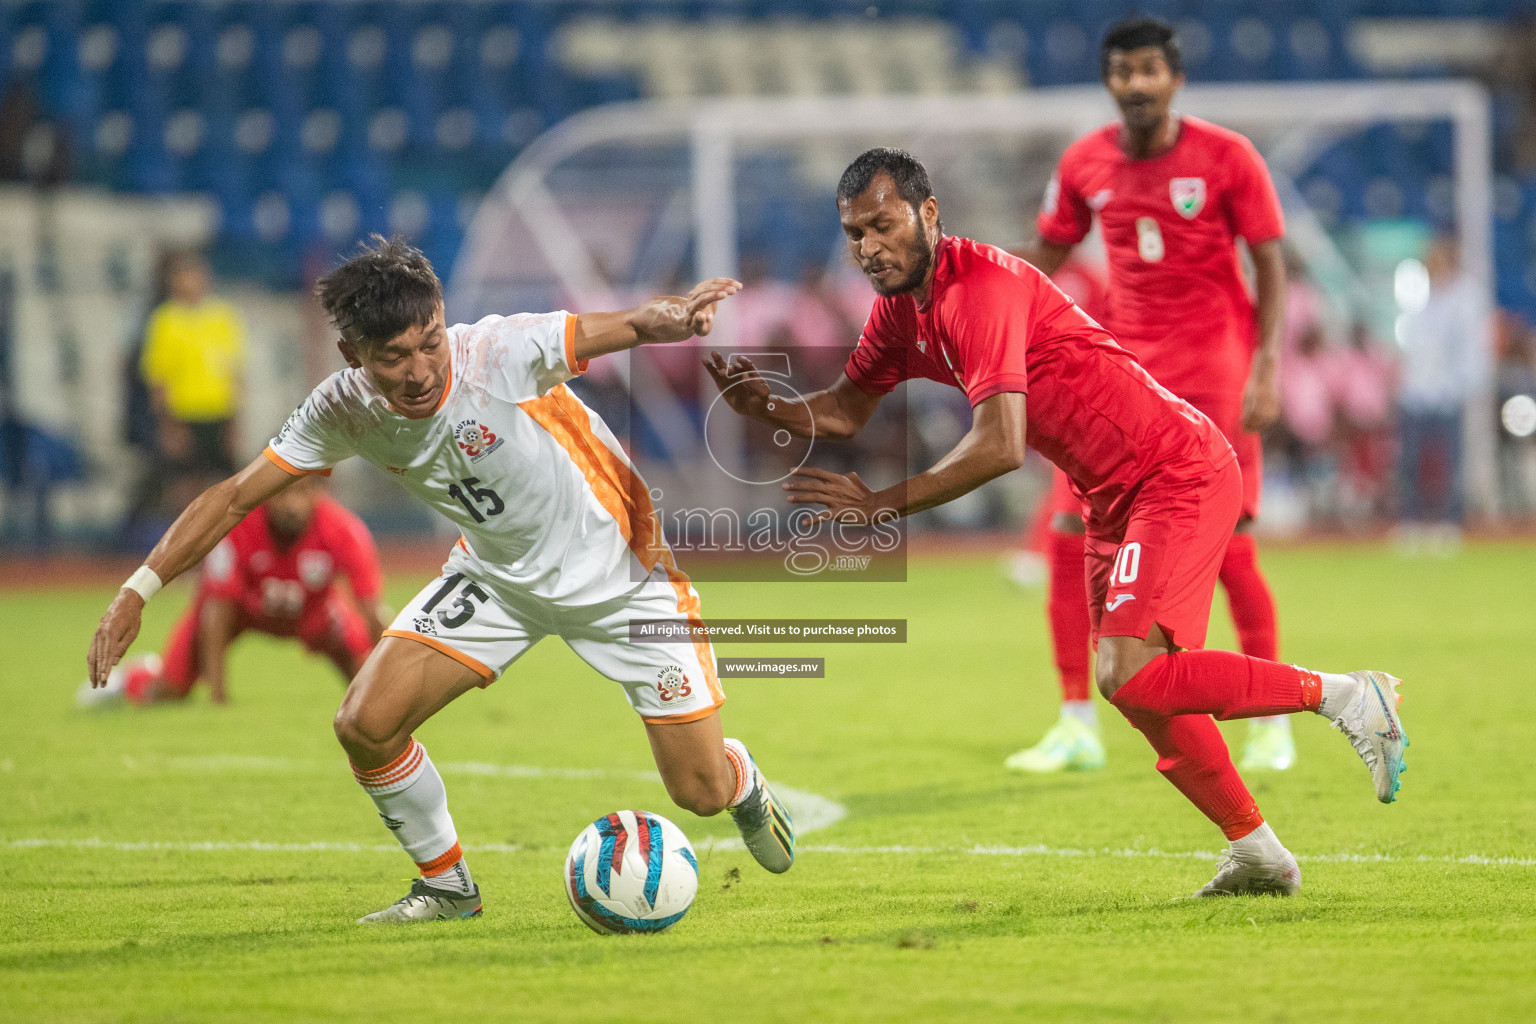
(1218, 683)
(1253, 606)
(1068, 611)
(1192, 755)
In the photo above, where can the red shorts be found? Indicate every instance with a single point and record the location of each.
(1159, 565)
(333, 627)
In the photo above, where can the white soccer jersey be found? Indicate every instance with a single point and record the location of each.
(540, 487)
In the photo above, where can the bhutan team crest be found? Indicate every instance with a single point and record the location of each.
(673, 684)
(475, 440)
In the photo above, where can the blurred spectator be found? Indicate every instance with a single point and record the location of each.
(1307, 389)
(1363, 386)
(194, 352)
(1307, 415)
(1444, 362)
(1515, 382)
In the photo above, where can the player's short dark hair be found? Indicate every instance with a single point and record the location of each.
(908, 173)
(1136, 33)
(387, 287)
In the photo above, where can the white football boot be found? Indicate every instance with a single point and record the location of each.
(1370, 722)
(424, 903)
(1240, 875)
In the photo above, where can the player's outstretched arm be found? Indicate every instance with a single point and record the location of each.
(837, 413)
(993, 446)
(194, 533)
(657, 321)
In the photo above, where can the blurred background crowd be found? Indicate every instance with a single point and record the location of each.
(177, 172)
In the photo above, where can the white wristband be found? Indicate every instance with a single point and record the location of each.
(145, 582)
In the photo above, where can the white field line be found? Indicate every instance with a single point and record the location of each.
(810, 811)
(220, 846)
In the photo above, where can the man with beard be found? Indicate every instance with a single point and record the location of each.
(1160, 483)
(1173, 195)
(276, 573)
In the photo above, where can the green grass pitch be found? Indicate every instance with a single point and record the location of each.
(155, 863)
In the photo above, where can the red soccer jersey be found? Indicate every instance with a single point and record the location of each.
(1177, 297)
(994, 323)
(284, 584)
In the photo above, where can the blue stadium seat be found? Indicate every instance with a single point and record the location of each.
(218, 95)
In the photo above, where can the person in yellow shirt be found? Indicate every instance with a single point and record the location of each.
(194, 355)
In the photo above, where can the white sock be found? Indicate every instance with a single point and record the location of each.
(411, 799)
(1337, 690)
(1261, 845)
(746, 770)
(1082, 710)
(1274, 721)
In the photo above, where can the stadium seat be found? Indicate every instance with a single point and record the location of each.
(372, 96)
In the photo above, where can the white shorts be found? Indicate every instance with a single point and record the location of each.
(485, 624)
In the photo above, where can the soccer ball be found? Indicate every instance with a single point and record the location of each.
(631, 871)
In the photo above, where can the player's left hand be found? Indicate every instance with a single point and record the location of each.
(1261, 402)
(116, 631)
(848, 499)
(668, 318)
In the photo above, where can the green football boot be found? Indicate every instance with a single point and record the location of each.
(1269, 747)
(1069, 746)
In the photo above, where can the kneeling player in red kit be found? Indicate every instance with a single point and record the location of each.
(1159, 482)
(275, 573)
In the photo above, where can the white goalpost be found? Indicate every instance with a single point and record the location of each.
(632, 197)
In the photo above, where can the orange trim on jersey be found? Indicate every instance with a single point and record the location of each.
(576, 365)
(288, 467)
(691, 716)
(615, 484)
(437, 865)
(625, 497)
(460, 544)
(437, 645)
